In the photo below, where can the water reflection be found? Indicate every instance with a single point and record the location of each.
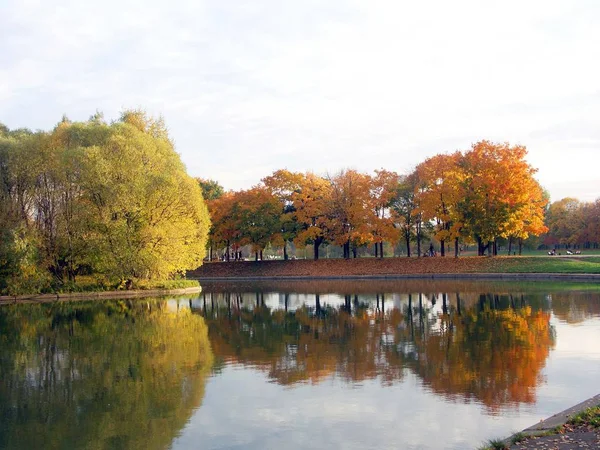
(124, 374)
(349, 364)
(466, 346)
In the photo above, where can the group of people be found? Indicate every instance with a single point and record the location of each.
(569, 252)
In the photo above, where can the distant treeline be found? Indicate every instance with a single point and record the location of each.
(480, 196)
(92, 197)
(573, 224)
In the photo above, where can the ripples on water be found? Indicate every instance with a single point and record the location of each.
(367, 364)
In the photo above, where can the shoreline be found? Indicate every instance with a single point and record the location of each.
(415, 276)
(92, 295)
(558, 419)
(533, 437)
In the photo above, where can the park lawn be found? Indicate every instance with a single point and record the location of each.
(544, 265)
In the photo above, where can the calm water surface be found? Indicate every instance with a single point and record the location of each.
(414, 364)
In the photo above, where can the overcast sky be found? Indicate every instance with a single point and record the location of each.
(248, 87)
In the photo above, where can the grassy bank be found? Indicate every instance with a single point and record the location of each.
(398, 266)
(586, 420)
(91, 284)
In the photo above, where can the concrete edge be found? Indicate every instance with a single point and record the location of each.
(467, 276)
(557, 420)
(45, 298)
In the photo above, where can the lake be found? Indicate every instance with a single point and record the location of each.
(412, 364)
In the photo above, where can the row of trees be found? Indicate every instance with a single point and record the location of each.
(477, 196)
(573, 224)
(94, 197)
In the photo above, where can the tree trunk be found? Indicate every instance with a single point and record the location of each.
(255, 256)
(407, 238)
(285, 254)
(347, 250)
(520, 246)
(316, 245)
(456, 247)
(381, 249)
(480, 248)
(509, 245)
(354, 252)
(442, 248)
(495, 253)
(376, 250)
(227, 254)
(261, 255)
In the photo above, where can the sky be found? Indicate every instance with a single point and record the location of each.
(250, 87)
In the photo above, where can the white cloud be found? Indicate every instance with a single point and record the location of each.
(247, 88)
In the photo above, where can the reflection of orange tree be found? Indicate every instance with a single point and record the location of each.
(495, 356)
(308, 347)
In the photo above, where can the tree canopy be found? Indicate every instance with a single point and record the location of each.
(480, 195)
(111, 199)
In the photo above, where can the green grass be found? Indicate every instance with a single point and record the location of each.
(165, 284)
(97, 284)
(589, 417)
(549, 264)
(494, 444)
(517, 437)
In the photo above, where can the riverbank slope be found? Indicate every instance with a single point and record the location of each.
(399, 267)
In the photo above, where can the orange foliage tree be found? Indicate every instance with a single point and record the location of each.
(439, 194)
(351, 212)
(283, 184)
(312, 210)
(384, 188)
(500, 196)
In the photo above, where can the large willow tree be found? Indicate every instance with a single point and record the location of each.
(113, 199)
(148, 216)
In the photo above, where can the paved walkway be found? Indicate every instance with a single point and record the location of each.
(573, 438)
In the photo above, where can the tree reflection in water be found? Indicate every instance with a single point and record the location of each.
(115, 374)
(489, 348)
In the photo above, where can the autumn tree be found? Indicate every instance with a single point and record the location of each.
(495, 181)
(438, 195)
(284, 184)
(224, 229)
(383, 188)
(403, 208)
(565, 222)
(150, 220)
(590, 235)
(257, 213)
(312, 209)
(87, 196)
(351, 210)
